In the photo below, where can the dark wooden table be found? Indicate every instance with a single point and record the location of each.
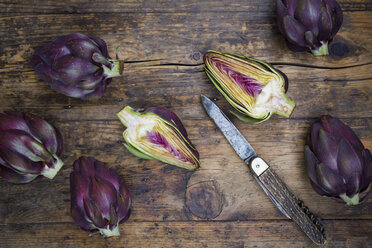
(163, 43)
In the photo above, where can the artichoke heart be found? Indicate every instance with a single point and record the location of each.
(254, 88)
(157, 133)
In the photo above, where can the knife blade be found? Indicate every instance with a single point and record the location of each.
(279, 193)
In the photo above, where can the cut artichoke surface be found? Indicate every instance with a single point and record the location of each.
(151, 137)
(252, 87)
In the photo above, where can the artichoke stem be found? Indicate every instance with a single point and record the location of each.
(108, 233)
(350, 201)
(117, 69)
(322, 50)
(286, 107)
(127, 116)
(50, 172)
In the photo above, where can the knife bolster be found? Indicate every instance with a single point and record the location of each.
(258, 166)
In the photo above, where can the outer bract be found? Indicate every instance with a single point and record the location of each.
(309, 25)
(338, 164)
(100, 199)
(254, 88)
(76, 65)
(157, 133)
(29, 147)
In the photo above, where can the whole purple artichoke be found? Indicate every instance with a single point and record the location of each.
(100, 199)
(338, 164)
(29, 147)
(76, 65)
(309, 25)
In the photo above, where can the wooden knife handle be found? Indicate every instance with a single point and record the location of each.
(294, 207)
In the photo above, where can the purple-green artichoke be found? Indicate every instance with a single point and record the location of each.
(338, 164)
(254, 88)
(100, 199)
(309, 25)
(30, 148)
(157, 133)
(76, 65)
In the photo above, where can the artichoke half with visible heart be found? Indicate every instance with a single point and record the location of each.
(157, 133)
(254, 88)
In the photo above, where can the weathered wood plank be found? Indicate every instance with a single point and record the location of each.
(158, 190)
(187, 234)
(9, 7)
(181, 37)
(342, 93)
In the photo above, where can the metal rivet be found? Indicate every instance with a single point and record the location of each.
(257, 166)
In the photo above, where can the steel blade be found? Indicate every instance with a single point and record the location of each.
(231, 133)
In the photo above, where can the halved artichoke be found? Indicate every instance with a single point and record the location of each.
(254, 88)
(157, 133)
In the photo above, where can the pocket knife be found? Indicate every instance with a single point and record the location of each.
(279, 193)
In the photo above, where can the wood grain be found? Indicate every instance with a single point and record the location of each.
(163, 43)
(212, 234)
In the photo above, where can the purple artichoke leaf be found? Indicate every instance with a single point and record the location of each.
(43, 131)
(103, 194)
(79, 187)
(307, 13)
(325, 25)
(353, 185)
(72, 91)
(51, 52)
(86, 167)
(329, 180)
(310, 40)
(124, 201)
(349, 161)
(337, 18)
(311, 164)
(108, 174)
(318, 189)
(294, 31)
(91, 81)
(82, 48)
(59, 141)
(70, 69)
(327, 149)
(24, 144)
(94, 214)
(281, 12)
(126, 217)
(81, 219)
(19, 163)
(16, 177)
(11, 121)
(291, 6)
(102, 45)
(114, 221)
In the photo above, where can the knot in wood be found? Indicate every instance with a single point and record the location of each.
(204, 200)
